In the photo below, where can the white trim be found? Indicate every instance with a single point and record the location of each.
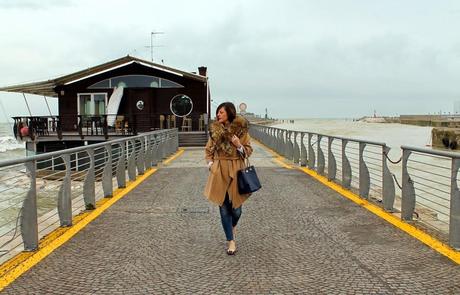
(122, 65)
(150, 76)
(170, 105)
(95, 74)
(160, 69)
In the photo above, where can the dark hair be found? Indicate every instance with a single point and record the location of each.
(229, 108)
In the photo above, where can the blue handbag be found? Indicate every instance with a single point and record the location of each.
(247, 180)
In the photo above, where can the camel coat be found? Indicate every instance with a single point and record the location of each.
(222, 175)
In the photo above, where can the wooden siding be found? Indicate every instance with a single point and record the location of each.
(156, 100)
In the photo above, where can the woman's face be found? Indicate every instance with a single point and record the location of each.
(222, 116)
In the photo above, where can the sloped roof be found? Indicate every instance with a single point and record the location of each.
(47, 87)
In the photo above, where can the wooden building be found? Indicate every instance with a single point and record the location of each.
(122, 97)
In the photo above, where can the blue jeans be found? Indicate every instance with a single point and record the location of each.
(229, 217)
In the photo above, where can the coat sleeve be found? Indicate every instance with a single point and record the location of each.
(246, 142)
(208, 152)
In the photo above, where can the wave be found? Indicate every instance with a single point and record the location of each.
(8, 143)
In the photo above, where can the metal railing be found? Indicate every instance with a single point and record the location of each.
(33, 127)
(42, 192)
(83, 125)
(424, 188)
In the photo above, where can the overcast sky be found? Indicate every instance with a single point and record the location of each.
(338, 58)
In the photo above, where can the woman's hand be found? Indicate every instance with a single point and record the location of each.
(236, 141)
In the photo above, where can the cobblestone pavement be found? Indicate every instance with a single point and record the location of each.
(295, 236)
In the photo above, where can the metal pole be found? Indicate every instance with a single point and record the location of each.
(151, 46)
(27, 104)
(29, 220)
(408, 191)
(47, 105)
(454, 222)
(364, 177)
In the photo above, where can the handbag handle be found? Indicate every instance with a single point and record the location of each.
(245, 159)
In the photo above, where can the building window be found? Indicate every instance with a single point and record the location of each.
(135, 81)
(181, 105)
(92, 104)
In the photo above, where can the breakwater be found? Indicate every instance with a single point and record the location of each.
(445, 137)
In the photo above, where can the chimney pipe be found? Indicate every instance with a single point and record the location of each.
(202, 71)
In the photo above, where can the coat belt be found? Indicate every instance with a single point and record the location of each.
(226, 158)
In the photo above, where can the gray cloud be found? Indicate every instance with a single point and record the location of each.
(299, 58)
(34, 4)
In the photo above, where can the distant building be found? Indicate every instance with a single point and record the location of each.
(457, 107)
(119, 98)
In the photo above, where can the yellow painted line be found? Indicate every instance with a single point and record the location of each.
(420, 235)
(281, 163)
(175, 156)
(22, 262)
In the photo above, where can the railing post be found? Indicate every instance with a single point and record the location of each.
(331, 164)
(272, 138)
(140, 159)
(454, 222)
(65, 195)
(279, 141)
(132, 160)
(388, 187)
(107, 185)
(288, 145)
(121, 166)
(169, 143)
(284, 142)
(29, 219)
(155, 150)
(346, 167)
(408, 191)
(296, 156)
(321, 164)
(162, 147)
(89, 189)
(147, 152)
(364, 177)
(303, 150)
(311, 153)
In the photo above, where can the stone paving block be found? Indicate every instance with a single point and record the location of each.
(295, 237)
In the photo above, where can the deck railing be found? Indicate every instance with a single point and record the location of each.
(423, 189)
(42, 192)
(83, 125)
(32, 127)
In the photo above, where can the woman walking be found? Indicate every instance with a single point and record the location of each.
(228, 145)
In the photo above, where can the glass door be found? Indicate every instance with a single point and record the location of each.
(91, 106)
(99, 104)
(84, 102)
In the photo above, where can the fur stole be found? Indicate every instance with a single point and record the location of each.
(221, 135)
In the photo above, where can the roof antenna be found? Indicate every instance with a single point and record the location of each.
(152, 34)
